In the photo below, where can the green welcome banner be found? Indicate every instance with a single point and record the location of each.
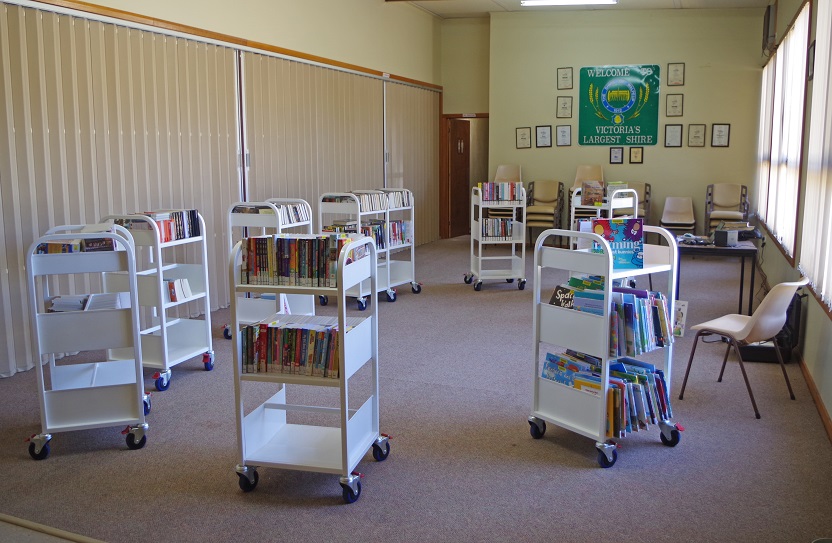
(619, 105)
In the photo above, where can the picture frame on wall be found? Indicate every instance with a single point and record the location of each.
(564, 107)
(675, 74)
(543, 136)
(696, 135)
(523, 137)
(673, 135)
(616, 155)
(675, 105)
(564, 78)
(564, 135)
(636, 155)
(720, 134)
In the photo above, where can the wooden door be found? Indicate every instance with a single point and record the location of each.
(459, 151)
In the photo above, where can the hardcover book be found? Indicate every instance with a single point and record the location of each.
(626, 239)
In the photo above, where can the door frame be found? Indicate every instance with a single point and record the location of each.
(445, 169)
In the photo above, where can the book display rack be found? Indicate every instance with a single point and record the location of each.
(582, 207)
(82, 396)
(585, 402)
(296, 350)
(498, 223)
(169, 245)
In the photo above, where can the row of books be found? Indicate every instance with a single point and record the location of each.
(372, 200)
(399, 198)
(400, 231)
(178, 289)
(307, 260)
(497, 229)
(293, 348)
(639, 322)
(173, 224)
(375, 229)
(81, 245)
(500, 191)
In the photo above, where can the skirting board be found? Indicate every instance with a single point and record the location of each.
(813, 391)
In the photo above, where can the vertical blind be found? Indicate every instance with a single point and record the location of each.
(815, 254)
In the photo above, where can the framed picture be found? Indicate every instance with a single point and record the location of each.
(564, 107)
(616, 155)
(810, 62)
(720, 135)
(543, 136)
(564, 135)
(564, 78)
(675, 104)
(523, 137)
(675, 74)
(636, 155)
(696, 135)
(673, 135)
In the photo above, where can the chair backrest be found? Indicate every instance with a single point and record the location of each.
(678, 209)
(770, 316)
(512, 173)
(545, 191)
(588, 172)
(728, 196)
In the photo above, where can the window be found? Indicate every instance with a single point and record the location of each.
(781, 134)
(817, 215)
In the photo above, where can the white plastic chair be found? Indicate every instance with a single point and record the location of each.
(763, 325)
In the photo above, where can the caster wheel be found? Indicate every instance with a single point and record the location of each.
(226, 332)
(162, 384)
(537, 431)
(416, 288)
(509, 280)
(675, 438)
(521, 284)
(381, 454)
(132, 444)
(349, 495)
(391, 297)
(362, 305)
(245, 484)
(478, 286)
(323, 300)
(147, 406)
(208, 361)
(469, 279)
(44, 451)
(604, 462)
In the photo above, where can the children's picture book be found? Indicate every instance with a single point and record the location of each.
(626, 239)
(592, 193)
(679, 318)
(563, 296)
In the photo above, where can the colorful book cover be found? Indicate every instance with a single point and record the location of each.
(592, 193)
(562, 297)
(680, 318)
(626, 240)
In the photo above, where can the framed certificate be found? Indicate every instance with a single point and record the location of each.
(564, 78)
(564, 107)
(636, 155)
(720, 135)
(673, 135)
(696, 135)
(523, 137)
(675, 104)
(564, 135)
(543, 136)
(616, 155)
(675, 74)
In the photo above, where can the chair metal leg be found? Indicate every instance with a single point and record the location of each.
(724, 361)
(744, 376)
(690, 361)
(782, 366)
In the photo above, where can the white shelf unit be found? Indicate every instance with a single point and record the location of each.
(511, 263)
(168, 338)
(272, 216)
(396, 263)
(620, 199)
(264, 436)
(568, 407)
(86, 395)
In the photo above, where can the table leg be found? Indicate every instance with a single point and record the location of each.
(751, 290)
(742, 281)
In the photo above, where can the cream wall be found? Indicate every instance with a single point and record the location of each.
(464, 65)
(391, 37)
(721, 52)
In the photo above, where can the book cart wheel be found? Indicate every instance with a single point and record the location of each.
(381, 452)
(39, 446)
(208, 360)
(248, 480)
(521, 284)
(671, 434)
(162, 380)
(362, 303)
(350, 495)
(469, 278)
(607, 454)
(415, 287)
(226, 331)
(510, 280)
(391, 295)
(323, 299)
(537, 427)
(478, 286)
(136, 436)
(134, 444)
(147, 404)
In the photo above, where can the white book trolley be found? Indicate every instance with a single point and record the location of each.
(264, 435)
(562, 405)
(168, 337)
(619, 199)
(510, 264)
(82, 396)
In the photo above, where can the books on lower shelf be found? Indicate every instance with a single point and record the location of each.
(85, 245)
(637, 395)
(178, 289)
(497, 229)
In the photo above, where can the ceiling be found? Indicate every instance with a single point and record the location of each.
(451, 9)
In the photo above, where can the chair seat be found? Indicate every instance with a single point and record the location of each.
(728, 324)
(531, 210)
(731, 215)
